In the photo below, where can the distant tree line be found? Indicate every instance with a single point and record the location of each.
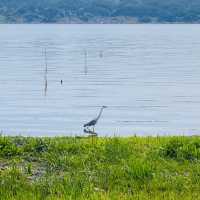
(99, 11)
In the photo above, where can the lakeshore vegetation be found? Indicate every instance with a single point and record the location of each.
(100, 168)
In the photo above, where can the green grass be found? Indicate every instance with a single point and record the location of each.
(100, 168)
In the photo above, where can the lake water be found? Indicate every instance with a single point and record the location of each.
(147, 75)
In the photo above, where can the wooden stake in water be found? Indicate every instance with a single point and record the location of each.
(46, 72)
(85, 58)
(45, 56)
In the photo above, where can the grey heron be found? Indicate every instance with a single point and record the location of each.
(95, 121)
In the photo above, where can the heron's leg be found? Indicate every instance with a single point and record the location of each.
(94, 135)
(93, 129)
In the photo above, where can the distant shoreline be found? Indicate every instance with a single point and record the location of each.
(83, 23)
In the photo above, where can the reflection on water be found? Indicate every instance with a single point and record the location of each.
(148, 75)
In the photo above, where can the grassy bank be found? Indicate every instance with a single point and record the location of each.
(100, 168)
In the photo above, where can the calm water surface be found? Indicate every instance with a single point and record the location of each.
(147, 75)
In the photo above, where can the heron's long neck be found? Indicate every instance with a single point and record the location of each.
(100, 113)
